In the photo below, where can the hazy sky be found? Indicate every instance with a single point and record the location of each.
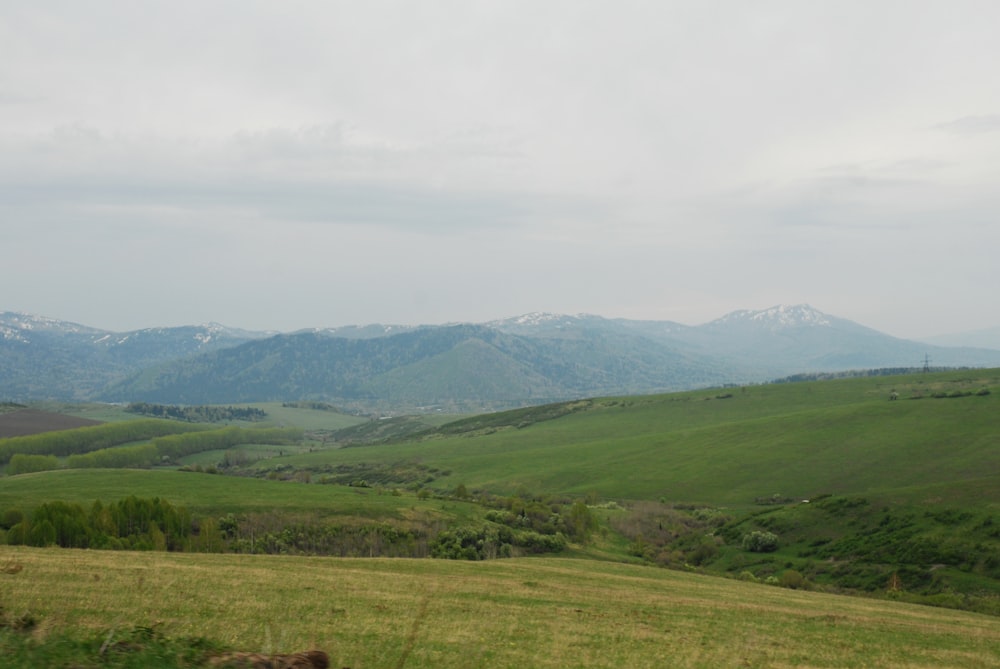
(279, 165)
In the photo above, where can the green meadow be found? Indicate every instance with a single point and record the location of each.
(886, 488)
(203, 493)
(729, 447)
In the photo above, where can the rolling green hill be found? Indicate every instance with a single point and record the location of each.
(732, 446)
(201, 493)
(882, 483)
(860, 490)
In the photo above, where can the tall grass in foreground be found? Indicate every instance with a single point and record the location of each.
(504, 613)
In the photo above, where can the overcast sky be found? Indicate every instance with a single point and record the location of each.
(280, 165)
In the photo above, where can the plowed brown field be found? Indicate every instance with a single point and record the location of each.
(33, 421)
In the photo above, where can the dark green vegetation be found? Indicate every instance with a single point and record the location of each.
(132, 523)
(887, 485)
(197, 414)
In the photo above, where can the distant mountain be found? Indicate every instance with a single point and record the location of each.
(778, 339)
(44, 358)
(455, 367)
(361, 331)
(527, 359)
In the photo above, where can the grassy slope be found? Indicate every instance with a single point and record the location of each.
(369, 614)
(217, 495)
(307, 419)
(798, 440)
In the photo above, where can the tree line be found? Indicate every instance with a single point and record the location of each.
(166, 449)
(197, 414)
(521, 524)
(86, 439)
(132, 523)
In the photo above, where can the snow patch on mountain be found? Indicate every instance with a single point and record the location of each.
(17, 320)
(13, 334)
(778, 317)
(537, 319)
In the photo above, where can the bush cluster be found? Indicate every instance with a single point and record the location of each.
(672, 535)
(760, 542)
(493, 541)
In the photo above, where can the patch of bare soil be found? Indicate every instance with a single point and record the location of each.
(32, 421)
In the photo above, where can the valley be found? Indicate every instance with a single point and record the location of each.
(799, 490)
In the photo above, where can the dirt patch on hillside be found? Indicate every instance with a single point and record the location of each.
(32, 421)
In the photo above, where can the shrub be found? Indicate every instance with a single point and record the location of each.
(760, 542)
(792, 579)
(10, 518)
(703, 554)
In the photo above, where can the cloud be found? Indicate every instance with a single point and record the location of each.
(972, 125)
(322, 174)
(496, 157)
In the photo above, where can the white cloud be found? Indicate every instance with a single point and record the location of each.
(643, 159)
(972, 125)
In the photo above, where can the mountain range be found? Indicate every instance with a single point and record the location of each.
(529, 359)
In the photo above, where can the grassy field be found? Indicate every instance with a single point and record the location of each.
(209, 494)
(307, 419)
(720, 447)
(730, 447)
(542, 612)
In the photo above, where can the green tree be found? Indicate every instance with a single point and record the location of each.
(581, 521)
(42, 534)
(22, 463)
(10, 518)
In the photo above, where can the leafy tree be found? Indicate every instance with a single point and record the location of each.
(22, 463)
(10, 518)
(42, 534)
(580, 522)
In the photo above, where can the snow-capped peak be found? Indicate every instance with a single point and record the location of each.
(779, 316)
(29, 322)
(536, 319)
